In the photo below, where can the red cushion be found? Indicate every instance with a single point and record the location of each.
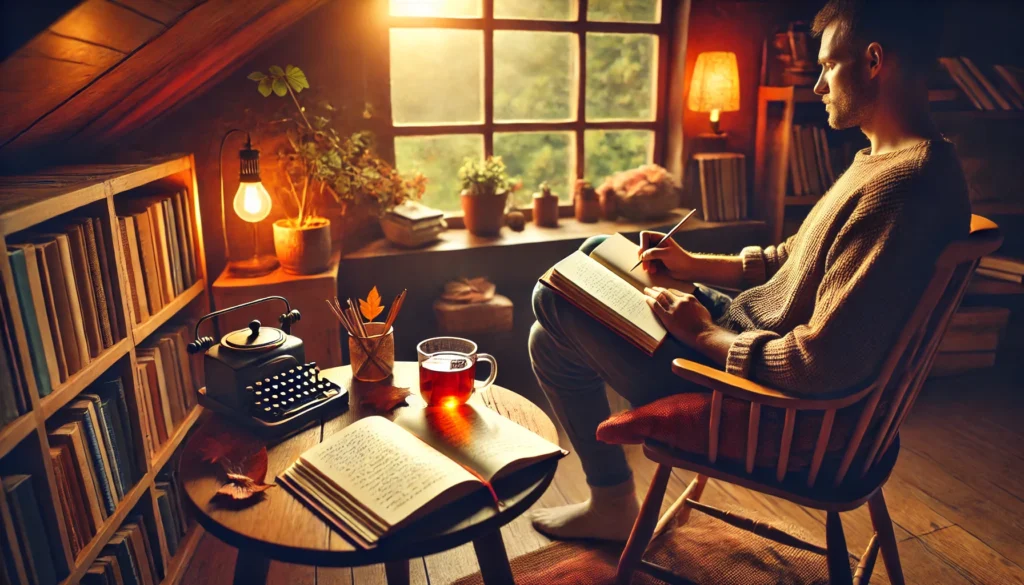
(682, 421)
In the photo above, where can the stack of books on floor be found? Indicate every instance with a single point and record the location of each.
(810, 161)
(159, 250)
(62, 280)
(995, 87)
(14, 400)
(412, 224)
(131, 557)
(173, 517)
(1001, 268)
(94, 458)
(168, 384)
(971, 341)
(27, 554)
(723, 185)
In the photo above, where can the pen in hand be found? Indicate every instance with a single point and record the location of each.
(667, 236)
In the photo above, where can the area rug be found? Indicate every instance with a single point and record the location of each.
(704, 551)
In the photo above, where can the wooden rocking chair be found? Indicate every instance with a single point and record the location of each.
(870, 455)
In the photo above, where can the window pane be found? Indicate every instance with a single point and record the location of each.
(534, 76)
(437, 76)
(607, 152)
(535, 157)
(439, 159)
(621, 75)
(448, 8)
(535, 9)
(624, 10)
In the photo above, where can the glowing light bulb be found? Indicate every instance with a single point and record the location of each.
(714, 115)
(252, 202)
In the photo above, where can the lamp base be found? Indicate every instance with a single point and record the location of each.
(256, 266)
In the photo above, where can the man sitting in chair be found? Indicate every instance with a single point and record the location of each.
(818, 311)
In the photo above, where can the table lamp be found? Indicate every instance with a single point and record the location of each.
(715, 86)
(251, 203)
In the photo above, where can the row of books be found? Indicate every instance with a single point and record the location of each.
(168, 383)
(13, 398)
(971, 341)
(810, 161)
(28, 557)
(1001, 268)
(174, 518)
(62, 280)
(131, 557)
(995, 87)
(95, 459)
(159, 250)
(723, 185)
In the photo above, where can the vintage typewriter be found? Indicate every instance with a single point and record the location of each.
(258, 377)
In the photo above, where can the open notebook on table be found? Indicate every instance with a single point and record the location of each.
(604, 287)
(376, 476)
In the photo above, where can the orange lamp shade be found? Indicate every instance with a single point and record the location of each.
(715, 86)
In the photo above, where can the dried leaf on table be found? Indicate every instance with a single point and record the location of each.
(385, 398)
(371, 307)
(247, 479)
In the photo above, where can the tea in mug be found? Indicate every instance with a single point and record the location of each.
(446, 379)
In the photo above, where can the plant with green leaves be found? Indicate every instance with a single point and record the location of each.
(319, 160)
(488, 177)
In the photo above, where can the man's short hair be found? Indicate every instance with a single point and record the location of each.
(909, 29)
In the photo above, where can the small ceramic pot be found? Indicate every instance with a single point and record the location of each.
(545, 210)
(305, 250)
(483, 214)
(609, 204)
(587, 205)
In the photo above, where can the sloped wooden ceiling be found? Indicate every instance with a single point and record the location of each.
(107, 67)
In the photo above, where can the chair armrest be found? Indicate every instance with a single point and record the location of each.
(744, 389)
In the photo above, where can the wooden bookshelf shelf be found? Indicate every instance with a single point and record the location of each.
(26, 201)
(15, 432)
(141, 332)
(988, 286)
(69, 390)
(178, 565)
(801, 199)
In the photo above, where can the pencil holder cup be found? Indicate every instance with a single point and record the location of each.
(373, 357)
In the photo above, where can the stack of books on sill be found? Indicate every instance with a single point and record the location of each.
(28, 558)
(971, 341)
(62, 280)
(723, 185)
(132, 556)
(168, 383)
(159, 250)
(412, 224)
(94, 458)
(1001, 268)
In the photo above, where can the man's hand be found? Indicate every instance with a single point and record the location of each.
(670, 257)
(681, 313)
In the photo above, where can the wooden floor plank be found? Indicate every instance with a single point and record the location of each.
(980, 562)
(921, 566)
(333, 576)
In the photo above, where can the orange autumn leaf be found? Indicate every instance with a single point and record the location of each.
(248, 480)
(385, 398)
(371, 307)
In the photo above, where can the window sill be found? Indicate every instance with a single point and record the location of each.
(568, 229)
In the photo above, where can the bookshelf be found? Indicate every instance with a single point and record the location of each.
(28, 201)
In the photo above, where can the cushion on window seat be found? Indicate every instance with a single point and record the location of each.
(682, 421)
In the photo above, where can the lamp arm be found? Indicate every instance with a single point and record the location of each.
(220, 172)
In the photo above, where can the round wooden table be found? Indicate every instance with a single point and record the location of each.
(280, 527)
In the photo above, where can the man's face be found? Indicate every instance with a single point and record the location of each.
(845, 84)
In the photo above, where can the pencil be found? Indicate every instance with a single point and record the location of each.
(667, 236)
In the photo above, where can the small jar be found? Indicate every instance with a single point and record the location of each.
(373, 357)
(587, 203)
(609, 204)
(545, 207)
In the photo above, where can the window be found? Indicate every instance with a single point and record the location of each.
(557, 89)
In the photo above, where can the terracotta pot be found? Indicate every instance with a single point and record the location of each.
(483, 214)
(305, 250)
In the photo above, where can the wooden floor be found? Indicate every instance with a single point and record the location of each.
(956, 496)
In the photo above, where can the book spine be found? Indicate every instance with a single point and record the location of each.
(168, 523)
(107, 272)
(31, 323)
(114, 443)
(182, 238)
(1010, 265)
(35, 283)
(1000, 275)
(26, 506)
(84, 284)
(98, 292)
(93, 444)
(116, 386)
(983, 81)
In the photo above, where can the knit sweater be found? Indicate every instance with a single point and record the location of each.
(824, 307)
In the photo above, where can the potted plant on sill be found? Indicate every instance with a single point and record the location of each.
(318, 161)
(485, 189)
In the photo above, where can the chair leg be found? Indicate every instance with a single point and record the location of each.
(640, 537)
(887, 539)
(838, 556)
(679, 508)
